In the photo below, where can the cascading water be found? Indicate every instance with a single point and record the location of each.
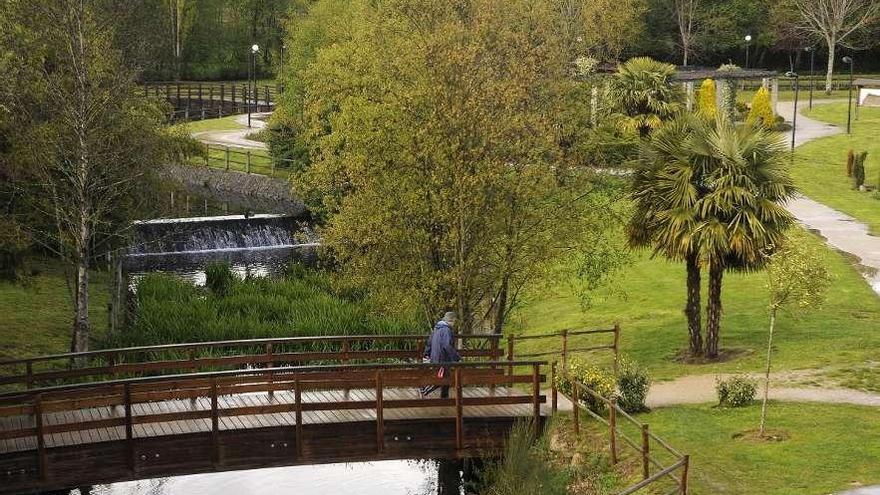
(251, 244)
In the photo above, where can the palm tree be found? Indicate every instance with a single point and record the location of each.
(643, 90)
(742, 213)
(667, 187)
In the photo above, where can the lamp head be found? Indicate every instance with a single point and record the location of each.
(791, 74)
(255, 48)
(808, 49)
(748, 37)
(847, 60)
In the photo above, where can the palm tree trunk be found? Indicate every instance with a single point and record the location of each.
(692, 308)
(713, 310)
(767, 372)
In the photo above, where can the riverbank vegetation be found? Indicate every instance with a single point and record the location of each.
(303, 302)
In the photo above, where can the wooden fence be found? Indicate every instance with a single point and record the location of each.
(203, 100)
(245, 160)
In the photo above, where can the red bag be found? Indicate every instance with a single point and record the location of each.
(441, 372)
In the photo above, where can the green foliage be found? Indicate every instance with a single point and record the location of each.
(859, 169)
(643, 90)
(301, 304)
(633, 384)
(736, 391)
(797, 274)
(598, 380)
(523, 469)
(761, 111)
(219, 278)
(707, 104)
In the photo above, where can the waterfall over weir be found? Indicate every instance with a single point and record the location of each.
(252, 245)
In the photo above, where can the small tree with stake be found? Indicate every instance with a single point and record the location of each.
(797, 279)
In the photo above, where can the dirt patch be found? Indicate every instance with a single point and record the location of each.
(754, 435)
(727, 354)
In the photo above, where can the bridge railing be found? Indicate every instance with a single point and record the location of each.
(207, 391)
(263, 94)
(209, 356)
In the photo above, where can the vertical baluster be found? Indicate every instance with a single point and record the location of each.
(270, 364)
(29, 377)
(299, 418)
(459, 419)
(612, 430)
(215, 424)
(646, 453)
(41, 440)
(380, 415)
(129, 427)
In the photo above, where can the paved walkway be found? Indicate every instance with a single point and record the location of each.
(841, 231)
(868, 490)
(237, 138)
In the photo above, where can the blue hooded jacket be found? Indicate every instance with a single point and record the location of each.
(441, 345)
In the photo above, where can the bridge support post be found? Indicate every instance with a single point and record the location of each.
(612, 430)
(129, 428)
(380, 419)
(41, 440)
(459, 421)
(646, 453)
(215, 425)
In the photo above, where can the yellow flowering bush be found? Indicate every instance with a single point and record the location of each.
(596, 379)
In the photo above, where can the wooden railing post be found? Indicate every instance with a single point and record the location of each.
(215, 424)
(248, 161)
(222, 95)
(646, 453)
(207, 147)
(565, 348)
(29, 379)
(684, 475)
(616, 348)
(380, 415)
(270, 364)
(227, 158)
(41, 440)
(510, 340)
(554, 398)
(536, 395)
(129, 428)
(178, 95)
(612, 430)
(459, 421)
(299, 417)
(576, 405)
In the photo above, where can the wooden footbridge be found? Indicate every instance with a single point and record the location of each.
(122, 414)
(165, 410)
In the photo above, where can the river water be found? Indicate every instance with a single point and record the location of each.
(409, 477)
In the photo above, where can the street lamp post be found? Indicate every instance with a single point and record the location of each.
(812, 75)
(252, 75)
(748, 39)
(851, 62)
(797, 90)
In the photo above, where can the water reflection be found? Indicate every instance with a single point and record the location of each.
(411, 477)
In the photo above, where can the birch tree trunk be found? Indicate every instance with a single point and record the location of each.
(829, 74)
(767, 372)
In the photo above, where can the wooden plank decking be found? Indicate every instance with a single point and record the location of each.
(202, 425)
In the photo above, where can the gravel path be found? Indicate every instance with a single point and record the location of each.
(237, 138)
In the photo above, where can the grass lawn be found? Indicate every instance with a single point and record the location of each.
(843, 332)
(223, 124)
(829, 449)
(36, 316)
(820, 166)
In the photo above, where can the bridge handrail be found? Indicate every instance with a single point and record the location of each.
(276, 371)
(229, 343)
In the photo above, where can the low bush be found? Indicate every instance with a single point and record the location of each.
(633, 384)
(736, 391)
(523, 470)
(596, 379)
(219, 278)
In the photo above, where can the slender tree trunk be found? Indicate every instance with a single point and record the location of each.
(829, 75)
(767, 372)
(501, 306)
(713, 310)
(692, 308)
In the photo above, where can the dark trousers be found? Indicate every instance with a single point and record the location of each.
(444, 392)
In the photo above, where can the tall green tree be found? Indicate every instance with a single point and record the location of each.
(742, 213)
(84, 139)
(437, 154)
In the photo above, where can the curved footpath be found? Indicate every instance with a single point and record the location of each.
(840, 230)
(237, 138)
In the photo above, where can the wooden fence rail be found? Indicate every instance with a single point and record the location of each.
(138, 361)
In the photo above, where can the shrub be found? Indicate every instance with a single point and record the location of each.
(596, 379)
(523, 470)
(219, 278)
(859, 169)
(707, 106)
(736, 391)
(633, 384)
(728, 92)
(761, 111)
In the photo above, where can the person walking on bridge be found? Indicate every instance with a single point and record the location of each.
(441, 349)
